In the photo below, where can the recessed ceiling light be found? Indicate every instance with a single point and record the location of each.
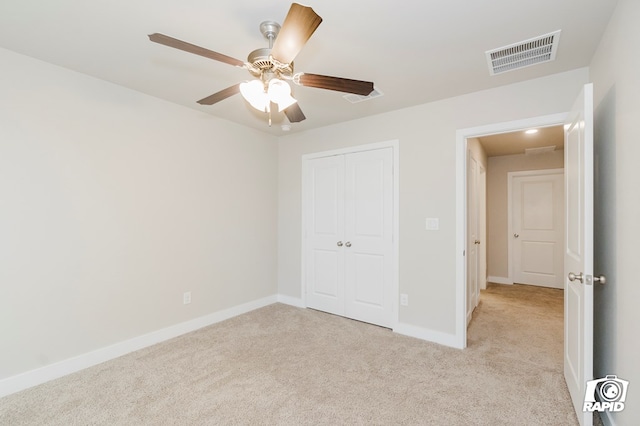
(531, 131)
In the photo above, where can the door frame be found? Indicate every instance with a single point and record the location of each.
(461, 203)
(395, 147)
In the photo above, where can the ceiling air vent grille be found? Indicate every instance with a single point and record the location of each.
(354, 99)
(526, 53)
(540, 150)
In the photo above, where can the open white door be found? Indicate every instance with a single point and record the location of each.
(578, 256)
(472, 234)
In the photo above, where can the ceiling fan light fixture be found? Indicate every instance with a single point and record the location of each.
(280, 93)
(253, 92)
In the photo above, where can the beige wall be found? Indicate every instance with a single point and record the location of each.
(427, 140)
(497, 196)
(114, 203)
(615, 72)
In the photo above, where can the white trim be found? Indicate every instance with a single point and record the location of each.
(510, 177)
(44, 374)
(461, 238)
(461, 204)
(395, 146)
(292, 301)
(500, 280)
(351, 149)
(439, 337)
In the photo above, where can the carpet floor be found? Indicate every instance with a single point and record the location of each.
(282, 365)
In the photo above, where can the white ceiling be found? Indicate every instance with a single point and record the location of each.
(415, 51)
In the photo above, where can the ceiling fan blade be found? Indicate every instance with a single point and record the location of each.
(221, 95)
(192, 48)
(294, 113)
(297, 28)
(335, 83)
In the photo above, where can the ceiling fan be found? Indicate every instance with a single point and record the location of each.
(272, 67)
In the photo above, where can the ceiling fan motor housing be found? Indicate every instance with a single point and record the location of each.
(261, 64)
(260, 61)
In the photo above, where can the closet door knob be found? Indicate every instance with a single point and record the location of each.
(348, 244)
(339, 243)
(574, 277)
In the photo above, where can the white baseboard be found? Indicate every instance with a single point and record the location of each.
(293, 301)
(439, 337)
(499, 280)
(44, 374)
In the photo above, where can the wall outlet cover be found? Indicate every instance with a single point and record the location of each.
(404, 299)
(432, 224)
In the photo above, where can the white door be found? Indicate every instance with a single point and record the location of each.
(368, 245)
(482, 231)
(324, 266)
(349, 265)
(472, 234)
(537, 224)
(578, 257)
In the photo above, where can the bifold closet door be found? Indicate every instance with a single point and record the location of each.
(324, 223)
(349, 232)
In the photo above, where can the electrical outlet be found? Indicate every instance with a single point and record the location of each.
(186, 298)
(432, 224)
(404, 299)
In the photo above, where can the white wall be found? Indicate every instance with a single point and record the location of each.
(427, 135)
(497, 203)
(615, 71)
(114, 203)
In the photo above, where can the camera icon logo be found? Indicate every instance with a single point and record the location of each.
(605, 394)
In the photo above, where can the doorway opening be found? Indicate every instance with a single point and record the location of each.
(578, 241)
(515, 219)
(476, 205)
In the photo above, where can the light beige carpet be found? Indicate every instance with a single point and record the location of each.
(290, 366)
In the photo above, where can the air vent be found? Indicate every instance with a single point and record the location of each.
(541, 150)
(354, 99)
(524, 54)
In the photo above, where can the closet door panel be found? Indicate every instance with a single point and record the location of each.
(324, 229)
(369, 232)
